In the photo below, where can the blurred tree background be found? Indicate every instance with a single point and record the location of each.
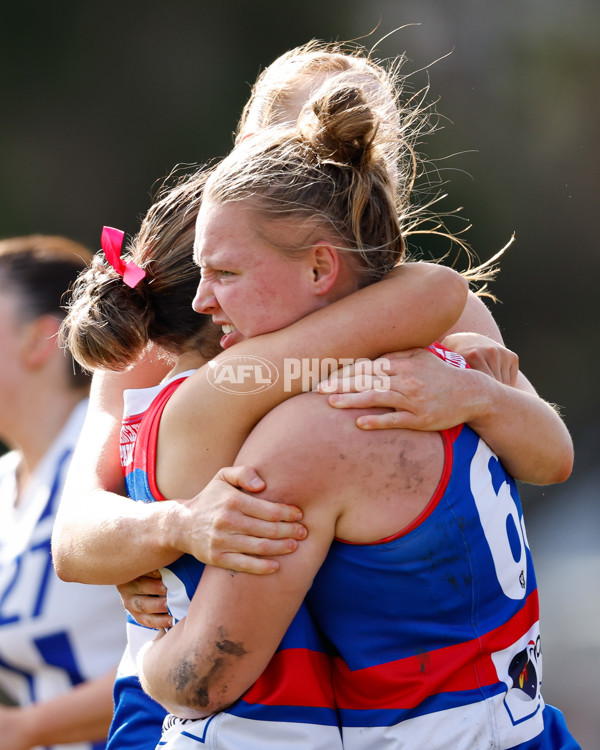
(102, 99)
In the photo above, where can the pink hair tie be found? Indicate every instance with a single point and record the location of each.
(112, 243)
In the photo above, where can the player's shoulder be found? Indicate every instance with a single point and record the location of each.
(308, 416)
(310, 452)
(311, 428)
(301, 448)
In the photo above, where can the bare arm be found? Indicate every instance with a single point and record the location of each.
(94, 513)
(102, 537)
(476, 318)
(82, 714)
(413, 307)
(236, 621)
(217, 652)
(525, 431)
(403, 308)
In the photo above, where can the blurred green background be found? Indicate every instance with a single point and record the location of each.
(101, 99)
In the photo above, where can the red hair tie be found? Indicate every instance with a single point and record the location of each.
(112, 243)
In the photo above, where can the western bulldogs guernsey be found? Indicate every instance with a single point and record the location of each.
(53, 635)
(137, 720)
(289, 706)
(443, 651)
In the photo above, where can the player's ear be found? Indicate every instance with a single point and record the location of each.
(324, 267)
(40, 341)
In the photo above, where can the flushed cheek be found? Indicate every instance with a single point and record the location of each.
(269, 301)
(268, 308)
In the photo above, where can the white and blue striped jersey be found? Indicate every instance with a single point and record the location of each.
(53, 635)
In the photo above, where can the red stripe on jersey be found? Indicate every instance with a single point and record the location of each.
(448, 437)
(146, 436)
(456, 360)
(127, 436)
(294, 677)
(407, 682)
(447, 355)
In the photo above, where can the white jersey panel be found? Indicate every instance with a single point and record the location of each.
(53, 634)
(226, 732)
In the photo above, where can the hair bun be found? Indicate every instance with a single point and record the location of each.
(340, 125)
(107, 321)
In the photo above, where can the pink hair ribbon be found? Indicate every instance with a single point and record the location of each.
(112, 243)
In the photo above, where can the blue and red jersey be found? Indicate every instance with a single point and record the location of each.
(292, 702)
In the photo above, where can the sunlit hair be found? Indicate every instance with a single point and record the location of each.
(39, 270)
(327, 173)
(110, 324)
(288, 86)
(292, 80)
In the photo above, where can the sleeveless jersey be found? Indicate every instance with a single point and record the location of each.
(53, 635)
(437, 625)
(290, 705)
(137, 720)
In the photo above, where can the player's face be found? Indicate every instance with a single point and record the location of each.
(247, 285)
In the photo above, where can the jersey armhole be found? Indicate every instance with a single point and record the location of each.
(157, 410)
(448, 438)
